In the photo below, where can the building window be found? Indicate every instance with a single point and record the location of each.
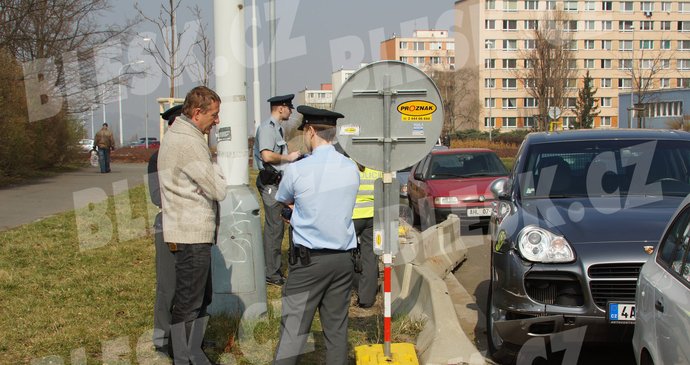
(572, 64)
(590, 25)
(531, 5)
(624, 83)
(531, 103)
(530, 44)
(684, 25)
(490, 63)
(528, 122)
(571, 45)
(606, 102)
(684, 64)
(665, 83)
(510, 25)
(509, 84)
(509, 63)
(606, 63)
(607, 5)
(589, 64)
(684, 7)
(490, 44)
(570, 5)
(647, 6)
(490, 83)
(606, 45)
(528, 63)
(684, 45)
(435, 46)
(589, 43)
(605, 83)
(625, 45)
(664, 109)
(625, 64)
(490, 4)
(490, 24)
(403, 45)
(418, 60)
(569, 122)
(531, 24)
(451, 62)
(570, 26)
(684, 82)
(665, 44)
(489, 122)
(665, 6)
(510, 122)
(529, 83)
(665, 64)
(550, 5)
(450, 46)
(590, 6)
(509, 103)
(435, 60)
(646, 44)
(489, 102)
(510, 44)
(625, 25)
(403, 59)
(571, 83)
(646, 64)
(605, 121)
(509, 5)
(665, 25)
(606, 25)
(646, 25)
(626, 6)
(418, 46)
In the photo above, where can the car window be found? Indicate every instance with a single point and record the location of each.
(449, 166)
(424, 166)
(605, 167)
(674, 246)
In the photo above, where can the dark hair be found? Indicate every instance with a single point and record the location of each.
(325, 132)
(105, 124)
(199, 97)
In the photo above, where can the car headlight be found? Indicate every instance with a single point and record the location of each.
(539, 245)
(441, 200)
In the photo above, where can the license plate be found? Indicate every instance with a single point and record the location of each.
(621, 312)
(478, 212)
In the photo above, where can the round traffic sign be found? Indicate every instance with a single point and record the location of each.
(389, 102)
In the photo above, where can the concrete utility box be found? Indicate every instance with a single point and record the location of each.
(237, 259)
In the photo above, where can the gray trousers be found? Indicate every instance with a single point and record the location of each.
(366, 282)
(274, 229)
(165, 287)
(324, 284)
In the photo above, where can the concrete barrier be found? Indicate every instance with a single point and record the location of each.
(418, 289)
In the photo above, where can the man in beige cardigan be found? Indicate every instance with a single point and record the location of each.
(190, 187)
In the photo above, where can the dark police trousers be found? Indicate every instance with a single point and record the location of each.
(366, 282)
(324, 285)
(274, 229)
(165, 288)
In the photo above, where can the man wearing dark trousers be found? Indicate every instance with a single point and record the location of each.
(190, 185)
(322, 189)
(165, 260)
(270, 158)
(105, 142)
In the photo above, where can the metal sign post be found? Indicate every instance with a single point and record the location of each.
(392, 120)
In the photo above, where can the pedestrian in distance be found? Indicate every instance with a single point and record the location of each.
(165, 260)
(322, 189)
(105, 143)
(270, 158)
(191, 185)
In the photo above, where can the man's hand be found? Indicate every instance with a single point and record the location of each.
(292, 156)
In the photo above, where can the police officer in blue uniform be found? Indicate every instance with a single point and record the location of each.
(321, 189)
(270, 158)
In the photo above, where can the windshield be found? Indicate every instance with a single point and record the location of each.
(463, 165)
(606, 168)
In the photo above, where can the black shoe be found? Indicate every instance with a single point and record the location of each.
(277, 282)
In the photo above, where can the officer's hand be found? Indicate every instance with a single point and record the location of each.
(292, 156)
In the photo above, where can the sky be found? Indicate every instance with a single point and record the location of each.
(315, 38)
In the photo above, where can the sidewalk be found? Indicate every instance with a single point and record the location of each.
(42, 198)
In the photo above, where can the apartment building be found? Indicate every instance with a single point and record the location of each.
(318, 98)
(426, 49)
(610, 39)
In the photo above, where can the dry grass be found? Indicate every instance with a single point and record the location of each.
(502, 149)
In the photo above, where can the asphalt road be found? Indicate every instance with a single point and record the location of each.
(473, 274)
(42, 198)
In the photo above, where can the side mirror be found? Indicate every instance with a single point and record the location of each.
(418, 176)
(499, 188)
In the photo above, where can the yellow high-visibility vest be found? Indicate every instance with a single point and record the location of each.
(364, 205)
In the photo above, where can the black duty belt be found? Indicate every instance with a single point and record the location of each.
(322, 251)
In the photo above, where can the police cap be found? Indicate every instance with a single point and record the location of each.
(317, 116)
(285, 100)
(172, 113)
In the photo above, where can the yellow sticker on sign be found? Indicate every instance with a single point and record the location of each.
(417, 111)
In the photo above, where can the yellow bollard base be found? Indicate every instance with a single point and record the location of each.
(401, 354)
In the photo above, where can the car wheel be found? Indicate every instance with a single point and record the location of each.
(497, 347)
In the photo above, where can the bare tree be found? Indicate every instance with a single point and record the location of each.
(166, 56)
(203, 69)
(460, 98)
(548, 67)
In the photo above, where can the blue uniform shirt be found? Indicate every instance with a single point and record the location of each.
(323, 188)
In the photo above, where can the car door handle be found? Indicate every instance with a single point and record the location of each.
(659, 306)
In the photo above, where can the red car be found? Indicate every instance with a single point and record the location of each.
(454, 181)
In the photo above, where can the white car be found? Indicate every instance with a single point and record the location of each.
(86, 144)
(663, 297)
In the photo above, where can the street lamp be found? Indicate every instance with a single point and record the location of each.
(146, 103)
(490, 45)
(119, 94)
